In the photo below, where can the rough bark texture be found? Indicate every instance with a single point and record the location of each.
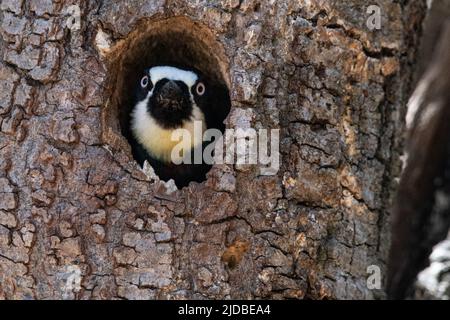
(73, 201)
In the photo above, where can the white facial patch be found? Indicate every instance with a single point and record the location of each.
(172, 73)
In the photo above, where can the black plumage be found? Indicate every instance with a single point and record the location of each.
(170, 105)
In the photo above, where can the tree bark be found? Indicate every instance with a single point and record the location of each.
(80, 220)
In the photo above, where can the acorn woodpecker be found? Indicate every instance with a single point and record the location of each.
(169, 98)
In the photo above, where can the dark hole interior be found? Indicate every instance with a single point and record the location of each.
(182, 47)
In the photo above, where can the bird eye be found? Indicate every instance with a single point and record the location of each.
(200, 88)
(144, 81)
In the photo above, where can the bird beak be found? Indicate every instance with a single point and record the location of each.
(170, 96)
(171, 91)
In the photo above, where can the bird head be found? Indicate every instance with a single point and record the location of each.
(169, 94)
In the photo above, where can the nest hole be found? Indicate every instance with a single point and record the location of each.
(177, 42)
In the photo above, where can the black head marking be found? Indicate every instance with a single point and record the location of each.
(142, 91)
(214, 102)
(170, 103)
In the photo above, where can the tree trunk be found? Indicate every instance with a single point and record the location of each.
(80, 220)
